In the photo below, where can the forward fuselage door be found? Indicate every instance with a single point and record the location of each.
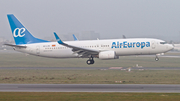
(153, 44)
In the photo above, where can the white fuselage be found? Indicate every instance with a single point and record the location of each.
(122, 47)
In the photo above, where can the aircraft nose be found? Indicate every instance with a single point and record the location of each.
(170, 47)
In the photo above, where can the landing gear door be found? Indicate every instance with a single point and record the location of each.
(37, 49)
(153, 45)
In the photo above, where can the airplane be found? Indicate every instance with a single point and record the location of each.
(103, 49)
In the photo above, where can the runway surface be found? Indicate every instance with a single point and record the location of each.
(90, 88)
(87, 68)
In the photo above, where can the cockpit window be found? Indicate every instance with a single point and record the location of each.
(163, 42)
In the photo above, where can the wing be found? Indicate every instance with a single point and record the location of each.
(82, 52)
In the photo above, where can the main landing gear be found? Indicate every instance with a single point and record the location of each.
(90, 61)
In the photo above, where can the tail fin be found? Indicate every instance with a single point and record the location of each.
(20, 33)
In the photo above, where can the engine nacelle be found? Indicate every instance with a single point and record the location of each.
(108, 55)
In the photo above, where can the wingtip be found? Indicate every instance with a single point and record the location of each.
(75, 38)
(55, 33)
(58, 39)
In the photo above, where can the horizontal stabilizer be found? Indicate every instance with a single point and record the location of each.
(18, 46)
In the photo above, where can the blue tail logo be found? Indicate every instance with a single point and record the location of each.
(20, 33)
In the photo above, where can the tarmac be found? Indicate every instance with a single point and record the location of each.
(89, 68)
(154, 88)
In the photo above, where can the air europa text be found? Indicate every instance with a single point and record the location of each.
(126, 44)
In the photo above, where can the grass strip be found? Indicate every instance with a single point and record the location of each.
(90, 76)
(75, 96)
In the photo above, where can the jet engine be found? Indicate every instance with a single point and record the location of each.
(105, 55)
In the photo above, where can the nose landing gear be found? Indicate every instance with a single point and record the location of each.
(90, 61)
(156, 58)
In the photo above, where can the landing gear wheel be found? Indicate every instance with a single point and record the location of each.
(90, 61)
(156, 58)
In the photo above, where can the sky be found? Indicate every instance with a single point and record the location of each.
(110, 18)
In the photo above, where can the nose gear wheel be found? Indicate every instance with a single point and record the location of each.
(156, 58)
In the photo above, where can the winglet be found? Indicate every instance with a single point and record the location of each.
(58, 39)
(75, 38)
(124, 37)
